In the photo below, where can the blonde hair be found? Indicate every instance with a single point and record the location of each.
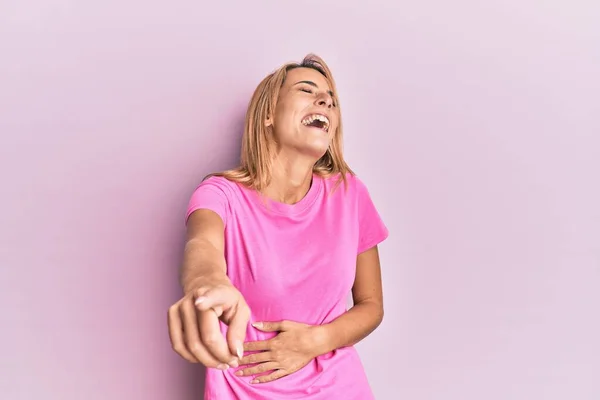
(254, 170)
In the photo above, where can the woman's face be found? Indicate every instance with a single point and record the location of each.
(306, 116)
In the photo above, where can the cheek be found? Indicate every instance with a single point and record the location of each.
(284, 128)
(284, 116)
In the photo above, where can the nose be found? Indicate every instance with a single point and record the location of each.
(325, 100)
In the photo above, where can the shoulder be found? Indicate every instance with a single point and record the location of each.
(213, 190)
(214, 193)
(217, 184)
(352, 186)
(217, 181)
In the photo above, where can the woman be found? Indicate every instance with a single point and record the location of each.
(274, 247)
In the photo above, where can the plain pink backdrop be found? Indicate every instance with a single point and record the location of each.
(474, 124)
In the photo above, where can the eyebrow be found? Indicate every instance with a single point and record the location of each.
(311, 83)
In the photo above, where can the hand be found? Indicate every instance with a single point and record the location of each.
(194, 324)
(293, 348)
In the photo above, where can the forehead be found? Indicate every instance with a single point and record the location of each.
(306, 74)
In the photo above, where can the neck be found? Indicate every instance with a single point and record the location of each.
(290, 179)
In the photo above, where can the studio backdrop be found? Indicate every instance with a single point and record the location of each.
(474, 124)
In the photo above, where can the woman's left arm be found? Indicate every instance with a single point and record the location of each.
(367, 312)
(298, 343)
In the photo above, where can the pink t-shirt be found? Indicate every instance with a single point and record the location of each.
(294, 262)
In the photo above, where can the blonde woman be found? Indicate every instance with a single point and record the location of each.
(275, 246)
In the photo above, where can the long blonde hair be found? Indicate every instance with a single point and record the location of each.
(254, 170)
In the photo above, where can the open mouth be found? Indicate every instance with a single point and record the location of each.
(317, 121)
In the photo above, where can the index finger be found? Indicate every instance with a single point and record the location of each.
(236, 331)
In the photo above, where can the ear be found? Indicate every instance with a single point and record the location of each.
(269, 122)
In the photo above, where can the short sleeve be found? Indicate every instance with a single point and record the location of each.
(211, 195)
(371, 229)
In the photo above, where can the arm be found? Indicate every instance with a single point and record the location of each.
(194, 326)
(203, 256)
(367, 312)
(298, 343)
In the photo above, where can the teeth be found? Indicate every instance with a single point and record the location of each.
(311, 118)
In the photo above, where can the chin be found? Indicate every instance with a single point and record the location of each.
(316, 150)
(309, 144)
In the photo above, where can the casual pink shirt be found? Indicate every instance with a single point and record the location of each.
(294, 262)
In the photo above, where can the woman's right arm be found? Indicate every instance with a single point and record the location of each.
(203, 256)
(208, 297)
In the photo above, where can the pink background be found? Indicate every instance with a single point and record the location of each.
(475, 125)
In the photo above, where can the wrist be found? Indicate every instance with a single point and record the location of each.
(212, 279)
(321, 339)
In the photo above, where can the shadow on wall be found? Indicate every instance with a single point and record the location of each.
(224, 155)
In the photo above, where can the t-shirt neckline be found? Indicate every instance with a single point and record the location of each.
(289, 209)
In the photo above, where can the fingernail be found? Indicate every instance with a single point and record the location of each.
(233, 364)
(240, 350)
(257, 325)
(239, 373)
(254, 381)
(222, 367)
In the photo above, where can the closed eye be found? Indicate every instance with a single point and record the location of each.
(307, 90)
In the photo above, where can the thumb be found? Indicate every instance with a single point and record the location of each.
(236, 331)
(274, 326)
(218, 298)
